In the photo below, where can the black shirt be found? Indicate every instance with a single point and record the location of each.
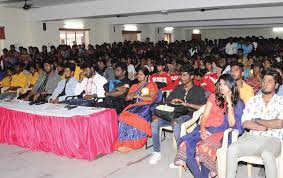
(125, 82)
(194, 96)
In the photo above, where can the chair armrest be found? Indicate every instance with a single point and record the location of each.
(225, 138)
(189, 125)
(281, 151)
(235, 135)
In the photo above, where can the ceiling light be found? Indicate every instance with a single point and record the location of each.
(168, 29)
(130, 27)
(196, 31)
(73, 25)
(277, 29)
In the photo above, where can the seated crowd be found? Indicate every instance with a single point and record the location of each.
(239, 80)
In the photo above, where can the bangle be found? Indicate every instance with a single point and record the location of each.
(229, 105)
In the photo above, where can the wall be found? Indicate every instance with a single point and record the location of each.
(16, 30)
(225, 33)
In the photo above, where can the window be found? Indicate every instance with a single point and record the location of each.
(168, 37)
(73, 36)
(131, 35)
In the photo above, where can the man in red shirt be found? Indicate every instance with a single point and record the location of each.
(162, 78)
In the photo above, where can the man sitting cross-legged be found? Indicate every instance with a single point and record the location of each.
(263, 116)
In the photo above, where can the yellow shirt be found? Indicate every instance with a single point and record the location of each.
(77, 73)
(246, 92)
(19, 80)
(33, 78)
(6, 82)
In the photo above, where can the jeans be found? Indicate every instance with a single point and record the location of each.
(80, 102)
(268, 148)
(155, 127)
(8, 96)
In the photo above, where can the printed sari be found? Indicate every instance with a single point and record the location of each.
(134, 121)
(203, 152)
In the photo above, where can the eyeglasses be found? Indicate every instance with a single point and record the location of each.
(267, 81)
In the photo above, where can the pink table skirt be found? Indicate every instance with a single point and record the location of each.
(81, 137)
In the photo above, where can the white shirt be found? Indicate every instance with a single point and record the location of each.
(131, 71)
(92, 86)
(256, 108)
(255, 45)
(231, 49)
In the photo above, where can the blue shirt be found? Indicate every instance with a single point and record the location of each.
(69, 89)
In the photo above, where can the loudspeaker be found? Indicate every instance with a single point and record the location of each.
(44, 26)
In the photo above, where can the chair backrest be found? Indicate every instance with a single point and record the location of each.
(190, 125)
(197, 114)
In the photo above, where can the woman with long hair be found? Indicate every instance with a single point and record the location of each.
(223, 110)
(134, 121)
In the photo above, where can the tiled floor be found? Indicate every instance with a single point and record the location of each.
(16, 162)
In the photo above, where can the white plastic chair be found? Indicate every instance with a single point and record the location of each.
(250, 160)
(186, 127)
(221, 157)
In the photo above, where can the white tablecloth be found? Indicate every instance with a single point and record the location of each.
(49, 109)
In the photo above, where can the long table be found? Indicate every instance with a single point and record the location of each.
(82, 133)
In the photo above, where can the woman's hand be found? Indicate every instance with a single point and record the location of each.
(203, 134)
(228, 98)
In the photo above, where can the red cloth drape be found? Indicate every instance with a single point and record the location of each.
(81, 137)
(2, 33)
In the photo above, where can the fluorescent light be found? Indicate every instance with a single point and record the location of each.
(196, 31)
(168, 29)
(277, 29)
(74, 25)
(130, 27)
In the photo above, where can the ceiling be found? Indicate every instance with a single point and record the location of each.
(162, 13)
(40, 3)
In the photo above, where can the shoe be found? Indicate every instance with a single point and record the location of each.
(156, 156)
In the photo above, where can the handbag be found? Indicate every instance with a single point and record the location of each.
(170, 111)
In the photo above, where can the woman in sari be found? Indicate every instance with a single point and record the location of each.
(223, 110)
(134, 121)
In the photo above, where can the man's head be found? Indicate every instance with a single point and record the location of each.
(237, 70)
(256, 68)
(187, 74)
(240, 52)
(69, 70)
(88, 70)
(10, 71)
(48, 66)
(271, 81)
(278, 66)
(5, 51)
(18, 68)
(160, 64)
(44, 48)
(32, 68)
(208, 64)
(199, 73)
(120, 70)
(102, 64)
(12, 47)
(266, 63)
